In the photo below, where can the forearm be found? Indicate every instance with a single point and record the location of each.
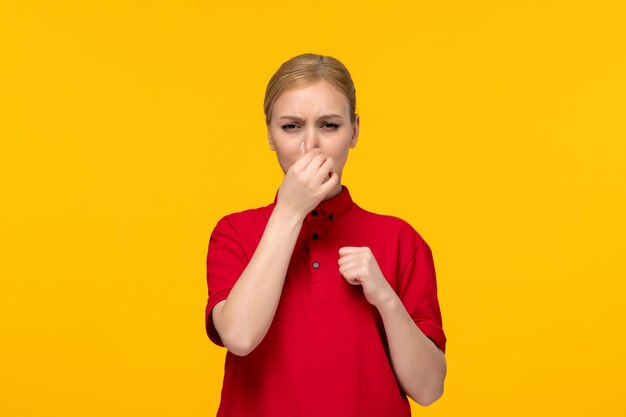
(418, 363)
(252, 302)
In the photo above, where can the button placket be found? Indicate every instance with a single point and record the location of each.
(316, 234)
(318, 223)
(315, 254)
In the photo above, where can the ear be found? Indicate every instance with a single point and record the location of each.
(355, 135)
(269, 138)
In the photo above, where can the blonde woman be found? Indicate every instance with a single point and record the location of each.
(326, 309)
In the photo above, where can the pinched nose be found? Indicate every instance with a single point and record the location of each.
(310, 140)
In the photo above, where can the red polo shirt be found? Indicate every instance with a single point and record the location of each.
(326, 352)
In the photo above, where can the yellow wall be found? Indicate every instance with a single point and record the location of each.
(128, 128)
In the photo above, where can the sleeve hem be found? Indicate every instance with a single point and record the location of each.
(434, 333)
(209, 325)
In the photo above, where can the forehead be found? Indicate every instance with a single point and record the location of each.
(312, 98)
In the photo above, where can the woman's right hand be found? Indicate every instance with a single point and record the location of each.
(307, 182)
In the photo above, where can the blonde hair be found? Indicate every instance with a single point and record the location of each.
(307, 68)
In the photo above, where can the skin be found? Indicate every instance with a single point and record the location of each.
(298, 126)
(313, 173)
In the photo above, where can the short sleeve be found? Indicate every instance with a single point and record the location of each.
(225, 262)
(417, 289)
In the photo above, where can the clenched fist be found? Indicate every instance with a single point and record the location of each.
(359, 267)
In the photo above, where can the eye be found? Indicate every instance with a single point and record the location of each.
(331, 126)
(289, 126)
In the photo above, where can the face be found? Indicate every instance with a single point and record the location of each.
(318, 115)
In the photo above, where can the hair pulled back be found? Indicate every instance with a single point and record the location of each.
(307, 68)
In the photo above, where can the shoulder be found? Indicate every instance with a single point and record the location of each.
(244, 220)
(387, 224)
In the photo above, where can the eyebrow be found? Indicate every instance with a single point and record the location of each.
(324, 116)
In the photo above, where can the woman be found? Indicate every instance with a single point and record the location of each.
(326, 309)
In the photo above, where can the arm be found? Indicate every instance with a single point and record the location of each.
(419, 364)
(243, 319)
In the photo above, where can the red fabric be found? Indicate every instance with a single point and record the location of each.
(326, 352)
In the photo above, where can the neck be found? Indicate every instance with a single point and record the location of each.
(335, 191)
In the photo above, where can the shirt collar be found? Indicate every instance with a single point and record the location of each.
(332, 208)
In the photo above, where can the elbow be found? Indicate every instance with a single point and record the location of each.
(239, 349)
(428, 398)
(234, 339)
(427, 395)
(434, 390)
(239, 345)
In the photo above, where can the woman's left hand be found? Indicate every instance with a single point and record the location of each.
(359, 267)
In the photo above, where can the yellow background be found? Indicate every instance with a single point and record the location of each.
(128, 128)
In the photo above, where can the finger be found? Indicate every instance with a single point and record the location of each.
(304, 160)
(329, 185)
(323, 173)
(348, 267)
(344, 259)
(353, 277)
(346, 250)
(353, 270)
(314, 165)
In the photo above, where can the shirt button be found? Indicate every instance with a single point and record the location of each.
(315, 236)
(330, 217)
(314, 213)
(316, 265)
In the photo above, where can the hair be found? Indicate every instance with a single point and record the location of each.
(307, 68)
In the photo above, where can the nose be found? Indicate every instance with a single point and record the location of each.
(310, 139)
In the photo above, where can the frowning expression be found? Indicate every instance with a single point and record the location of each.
(308, 116)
